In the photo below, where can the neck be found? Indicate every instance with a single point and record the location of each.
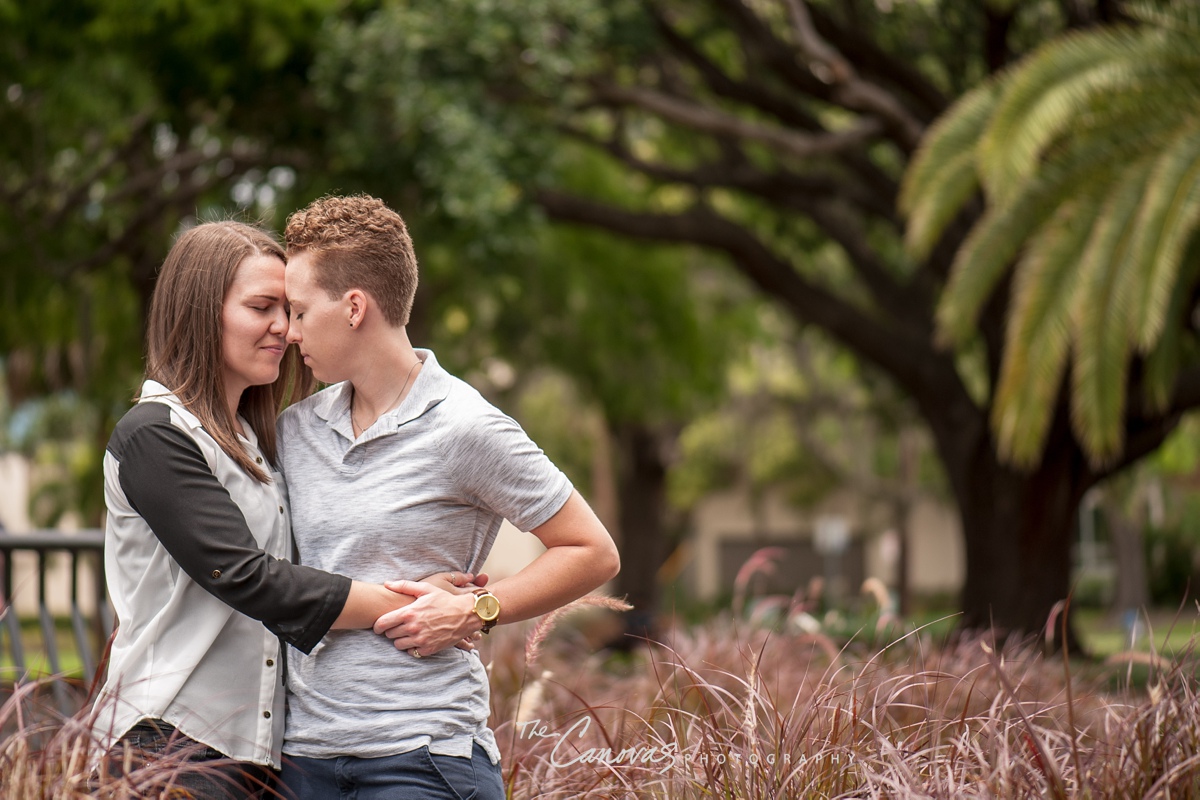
(380, 384)
(233, 397)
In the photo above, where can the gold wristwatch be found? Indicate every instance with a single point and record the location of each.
(487, 608)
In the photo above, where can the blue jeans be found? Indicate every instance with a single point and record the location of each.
(415, 775)
(162, 759)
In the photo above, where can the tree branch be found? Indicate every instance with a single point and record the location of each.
(790, 114)
(718, 123)
(888, 68)
(721, 84)
(818, 198)
(736, 172)
(909, 358)
(152, 207)
(138, 128)
(852, 91)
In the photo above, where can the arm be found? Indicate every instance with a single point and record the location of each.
(580, 556)
(168, 482)
(369, 601)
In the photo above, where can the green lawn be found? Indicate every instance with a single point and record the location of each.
(36, 662)
(1172, 632)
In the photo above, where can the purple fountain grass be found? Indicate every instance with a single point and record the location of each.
(723, 710)
(548, 622)
(762, 561)
(732, 711)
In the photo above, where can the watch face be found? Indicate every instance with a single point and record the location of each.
(487, 607)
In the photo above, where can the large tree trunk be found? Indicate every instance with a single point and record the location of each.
(1018, 526)
(641, 487)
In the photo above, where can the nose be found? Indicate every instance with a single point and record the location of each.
(292, 335)
(279, 323)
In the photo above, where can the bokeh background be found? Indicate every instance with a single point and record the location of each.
(802, 295)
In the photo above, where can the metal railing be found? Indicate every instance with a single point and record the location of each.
(91, 618)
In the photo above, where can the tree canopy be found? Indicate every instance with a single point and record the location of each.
(776, 134)
(772, 136)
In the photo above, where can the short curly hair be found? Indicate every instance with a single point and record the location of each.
(359, 243)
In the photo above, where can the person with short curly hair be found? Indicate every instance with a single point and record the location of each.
(400, 467)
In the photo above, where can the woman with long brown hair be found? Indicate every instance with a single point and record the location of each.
(198, 541)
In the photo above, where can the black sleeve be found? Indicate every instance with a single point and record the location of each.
(168, 482)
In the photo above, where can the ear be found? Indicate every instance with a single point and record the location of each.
(356, 306)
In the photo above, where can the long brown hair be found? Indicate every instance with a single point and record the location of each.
(184, 336)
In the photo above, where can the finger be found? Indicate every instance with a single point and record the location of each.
(410, 588)
(399, 632)
(390, 621)
(481, 579)
(406, 643)
(461, 579)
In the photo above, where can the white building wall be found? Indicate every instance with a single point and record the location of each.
(936, 561)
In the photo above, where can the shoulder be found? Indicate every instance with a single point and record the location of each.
(153, 425)
(139, 418)
(466, 412)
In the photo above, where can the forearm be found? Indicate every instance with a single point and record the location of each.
(580, 555)
(553, 579)
(366, 603)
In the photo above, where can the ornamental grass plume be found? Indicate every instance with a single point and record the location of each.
(725, 710)
(547, 623)
(46, 755)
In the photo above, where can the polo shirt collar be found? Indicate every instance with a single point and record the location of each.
(431, 386)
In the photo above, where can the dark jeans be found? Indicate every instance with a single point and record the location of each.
(415, 775)
(165, 763)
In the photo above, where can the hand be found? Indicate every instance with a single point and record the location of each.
(468, 644)
(437, 619)
(457, 582)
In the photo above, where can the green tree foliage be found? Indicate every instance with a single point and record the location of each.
(775, 133)
(1088, 155)
(119, 122)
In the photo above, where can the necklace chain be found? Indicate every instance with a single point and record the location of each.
(354, 423)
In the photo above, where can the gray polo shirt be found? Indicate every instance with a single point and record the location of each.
(423, 490)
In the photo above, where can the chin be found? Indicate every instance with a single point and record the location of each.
(267, 378)
(325, 377)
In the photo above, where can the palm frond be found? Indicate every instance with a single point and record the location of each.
(1177, 16)
(1166, 222)
(1100, 320)
(1161, 368)
(943, 173)
(1038, 334)
(999, 235)
(1049, 93)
